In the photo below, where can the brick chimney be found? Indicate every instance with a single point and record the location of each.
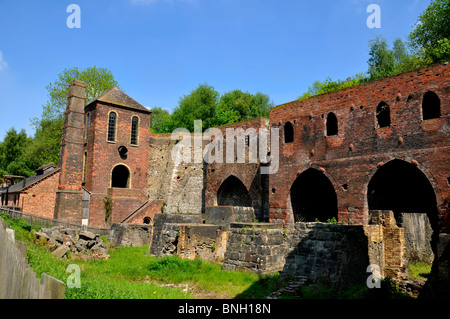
(68, 205)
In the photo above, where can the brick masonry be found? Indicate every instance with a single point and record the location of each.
(350, 158)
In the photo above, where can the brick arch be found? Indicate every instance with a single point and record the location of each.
(312, 196)
(402, 187)
(117, 176)
(233, 192)
(423, 169)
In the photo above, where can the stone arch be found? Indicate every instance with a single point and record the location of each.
(121, 176)
(313, 197)
(403, 188)
(232, 192)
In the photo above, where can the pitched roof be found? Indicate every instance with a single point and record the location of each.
(117, 97)
(41, 173)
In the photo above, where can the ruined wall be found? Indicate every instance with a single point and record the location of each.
(351, 157)
(136, 235)
(248, 173)
(326, 254)
(178, 185)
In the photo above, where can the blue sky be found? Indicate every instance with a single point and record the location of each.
(160, 50)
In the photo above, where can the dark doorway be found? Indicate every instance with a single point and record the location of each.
(383, 115)
(401, 187)
(288, 132)
(431, 106)
(120, 177)
(233, 192)
(313, 197)
(332, 124)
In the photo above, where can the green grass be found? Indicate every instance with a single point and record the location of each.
(419, 270)
(130, 273)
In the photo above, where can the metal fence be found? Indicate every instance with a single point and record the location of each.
(39, 221)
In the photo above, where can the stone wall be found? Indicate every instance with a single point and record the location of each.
(136, 235)
(224, 215)
(166, 231)
(326, 254)
(179, 185)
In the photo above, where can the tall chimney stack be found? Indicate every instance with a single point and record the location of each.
(68, 205)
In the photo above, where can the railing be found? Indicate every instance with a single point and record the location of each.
(48, 222)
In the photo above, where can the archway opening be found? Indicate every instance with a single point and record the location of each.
(431, 106)
(233, 192)
(332, 124)
(288, 132)
(383, 115)
(313, 197)
(401, 187)
(120, 177)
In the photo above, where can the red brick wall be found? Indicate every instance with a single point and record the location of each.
(103, 156)
(40, 198)
(247, 173)
(351, 157)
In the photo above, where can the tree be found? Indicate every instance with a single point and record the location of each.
(431, 34)
(200, 104)
(237, 106)
(382, 60)
(46, 143)
(12, 149)
(161, 121)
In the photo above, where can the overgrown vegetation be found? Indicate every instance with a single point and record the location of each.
(130, 273)
(419, 270)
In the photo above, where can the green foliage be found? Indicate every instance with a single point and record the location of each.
(161, 122)
(330, 85)
(13, 159)
(200, 104)
(206, 104)
(210, 277)
(419, 270)
(431, 32)
(45, 145)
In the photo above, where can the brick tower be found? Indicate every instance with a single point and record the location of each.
(68, 205)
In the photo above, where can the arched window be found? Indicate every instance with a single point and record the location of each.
(134, 130)
(112, 127)
(288, 132)
(332, 124)
(120, 177)
(431, 106)
(383, 115)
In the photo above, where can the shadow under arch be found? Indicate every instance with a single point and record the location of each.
(232, 192)
(403, 188)
(313, 197)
